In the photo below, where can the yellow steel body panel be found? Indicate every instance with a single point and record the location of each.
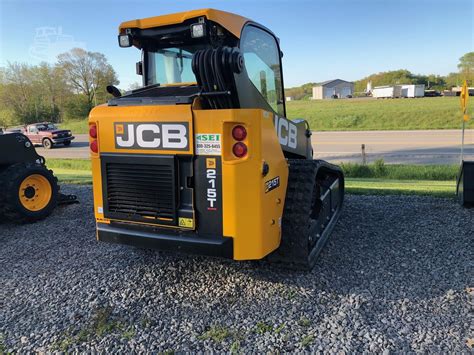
(232, 22)
(251, 216)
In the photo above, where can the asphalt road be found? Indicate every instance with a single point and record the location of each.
(400, 147)
(411, 147)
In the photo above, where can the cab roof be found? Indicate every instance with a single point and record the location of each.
(231, 22)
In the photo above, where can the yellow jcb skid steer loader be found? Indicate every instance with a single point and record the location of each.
(202, 158)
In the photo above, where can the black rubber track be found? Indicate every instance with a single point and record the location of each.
(11, 179)
(300, 246)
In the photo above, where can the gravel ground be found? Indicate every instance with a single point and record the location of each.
(397, 275)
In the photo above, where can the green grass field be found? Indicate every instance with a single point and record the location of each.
(373, 179)
(381, 114)
(71, 171)
(363, 114)
(379, 170)
(76, 126)
(401, 187)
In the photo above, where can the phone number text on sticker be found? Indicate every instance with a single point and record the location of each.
(208, 144)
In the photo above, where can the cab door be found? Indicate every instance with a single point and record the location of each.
(33, 134)
(262, 57)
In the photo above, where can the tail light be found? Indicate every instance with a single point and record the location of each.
(94, 146)
(93, 131)
(239, 149)
(239, 133)
(93, 134)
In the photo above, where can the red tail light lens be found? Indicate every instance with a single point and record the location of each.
(93, 131)
(239, 149)
(94, 146)
(239, 133)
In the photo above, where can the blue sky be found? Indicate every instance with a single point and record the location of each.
(321, 39)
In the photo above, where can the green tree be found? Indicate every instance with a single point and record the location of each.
(453, 79)
(31, 93)
(88, 73)
(466, 67)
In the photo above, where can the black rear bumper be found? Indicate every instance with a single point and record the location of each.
(163, 240)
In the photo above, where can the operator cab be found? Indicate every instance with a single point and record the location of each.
(241, 60)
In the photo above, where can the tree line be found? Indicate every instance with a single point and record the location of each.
(68, 89)
(403, 76)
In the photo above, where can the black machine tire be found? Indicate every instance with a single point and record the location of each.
(313, 203)
(11, 180)
(67, 143)
(47, 143)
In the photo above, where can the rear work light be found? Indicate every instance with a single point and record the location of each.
(239, 149)
(239, 133)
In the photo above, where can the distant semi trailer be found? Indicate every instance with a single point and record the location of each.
(413, 90)
(380, 92)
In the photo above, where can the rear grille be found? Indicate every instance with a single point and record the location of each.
(143, 192)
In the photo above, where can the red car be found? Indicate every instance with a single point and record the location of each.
(47, 134)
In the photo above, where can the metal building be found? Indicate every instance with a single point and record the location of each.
(333, 88)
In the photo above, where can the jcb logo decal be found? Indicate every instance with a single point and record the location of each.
(211, 163)
(287, 132)
(147, 135)
(211, 191)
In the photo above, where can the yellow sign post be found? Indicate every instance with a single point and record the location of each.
(465, 116)
(465, 181)
(464, 101)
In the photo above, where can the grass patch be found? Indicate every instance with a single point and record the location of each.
(129, 333)
(235, 347)
(76, 126)
(69, 164)
(380, 170)
(71, 171)
(3, 349)
(262, 328)
(304, 322)
(102, 323)
(80, 177)
(279, 329)
(216, 333)
(373, 114)
(307, 340)
(401, 187)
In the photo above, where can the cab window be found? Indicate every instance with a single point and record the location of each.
(262, 61)
(170, 65)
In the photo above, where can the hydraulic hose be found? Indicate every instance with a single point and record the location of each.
(214, 70)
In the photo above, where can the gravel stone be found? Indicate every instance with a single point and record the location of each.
(396, 275)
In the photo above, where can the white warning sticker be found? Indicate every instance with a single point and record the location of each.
(208, 144)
